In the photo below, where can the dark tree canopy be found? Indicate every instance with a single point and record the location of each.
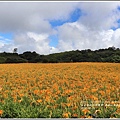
(110, 54)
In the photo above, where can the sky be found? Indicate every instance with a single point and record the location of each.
(52, 27)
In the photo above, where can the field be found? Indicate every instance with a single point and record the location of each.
(62, 90)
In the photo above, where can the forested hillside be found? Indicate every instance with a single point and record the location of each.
(110, 54)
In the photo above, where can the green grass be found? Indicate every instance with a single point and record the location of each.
(29, 109)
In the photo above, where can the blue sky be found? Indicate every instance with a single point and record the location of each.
(53, 40)
(115, 28)
(118, 21)
(45, 26)
(74, 16)
(7, 37)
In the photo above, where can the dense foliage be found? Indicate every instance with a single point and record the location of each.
(110, 54)
(60, 90)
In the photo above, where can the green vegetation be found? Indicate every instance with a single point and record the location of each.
(29, 109)
(110, 54)
(2, 59)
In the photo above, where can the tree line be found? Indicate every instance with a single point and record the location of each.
(110, 54)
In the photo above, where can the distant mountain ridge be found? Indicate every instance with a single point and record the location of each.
(110, 54)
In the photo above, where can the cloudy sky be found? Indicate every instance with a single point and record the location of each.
(51, 27)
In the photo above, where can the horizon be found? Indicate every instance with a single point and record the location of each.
(54, 27)
(62, 51)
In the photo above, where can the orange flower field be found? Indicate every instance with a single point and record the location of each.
(75, 90)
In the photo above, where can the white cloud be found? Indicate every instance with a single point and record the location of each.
(32, 42)
(70, 36)
(1, 45)
(29, 22)
(6, 47)
(76, 36)
(32, 16)
(116, 38)
(99, 15)
(5, 44)
(54, 50)
(93, 29)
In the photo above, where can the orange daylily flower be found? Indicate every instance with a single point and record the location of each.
(1, 112)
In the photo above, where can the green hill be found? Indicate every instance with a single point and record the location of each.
(110, 54)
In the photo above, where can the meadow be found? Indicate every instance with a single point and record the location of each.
(60, 90)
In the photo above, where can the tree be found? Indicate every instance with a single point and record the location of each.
(15, 50)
